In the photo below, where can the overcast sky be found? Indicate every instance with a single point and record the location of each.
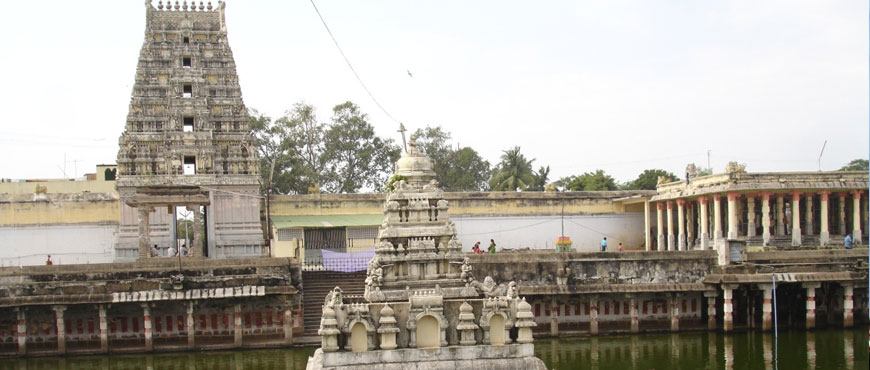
(578, 85)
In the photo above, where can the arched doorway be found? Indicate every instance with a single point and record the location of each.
(428, 334)
(358, 340)
(496, 330)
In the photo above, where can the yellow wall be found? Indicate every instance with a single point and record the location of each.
(59, 209)
(57, 187)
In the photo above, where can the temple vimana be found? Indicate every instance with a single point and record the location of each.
(371, 278)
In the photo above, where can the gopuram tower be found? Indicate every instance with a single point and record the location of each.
(187, 141)
(423, 307)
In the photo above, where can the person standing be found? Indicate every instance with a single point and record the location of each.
(492, 246)
(604, 244)
(154, 251)
(48, 261)
(619, 248)
(847, 241)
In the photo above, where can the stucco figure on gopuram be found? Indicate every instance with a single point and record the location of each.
(423, 307)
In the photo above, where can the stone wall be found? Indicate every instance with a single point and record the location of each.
(544, 273)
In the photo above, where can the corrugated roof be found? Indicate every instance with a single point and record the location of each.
(284, 222)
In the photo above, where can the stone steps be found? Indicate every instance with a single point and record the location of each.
(317, 284)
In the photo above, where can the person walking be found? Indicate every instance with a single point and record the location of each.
(492, 246)
(604, 244)
(847, 241)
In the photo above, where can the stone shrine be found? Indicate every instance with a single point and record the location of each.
(188, 127)
(422, 306)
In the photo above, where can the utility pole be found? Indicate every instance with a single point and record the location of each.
(708, 161)
(820, 155)
(268, 199)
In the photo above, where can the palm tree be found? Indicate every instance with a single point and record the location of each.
(513, 173)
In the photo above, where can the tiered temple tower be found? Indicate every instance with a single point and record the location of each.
(188, 127)
(421, 296)
(417, 245)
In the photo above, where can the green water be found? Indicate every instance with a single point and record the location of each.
(822, 349)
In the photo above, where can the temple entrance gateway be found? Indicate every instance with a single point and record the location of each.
(428, 333)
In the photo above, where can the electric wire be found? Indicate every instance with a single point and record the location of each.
(349, 65)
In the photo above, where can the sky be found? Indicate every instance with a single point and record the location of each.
(618, 85)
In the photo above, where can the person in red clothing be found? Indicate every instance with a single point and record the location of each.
(476, 248)
(619, 247)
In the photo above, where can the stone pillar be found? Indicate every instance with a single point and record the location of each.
(593, 315)
(196, 249)
(237, 325)
(780, 214)
(146, 315)
(824, 233)
(144, 232)
(808, 221)
(795, 218)
(61, 329)
(635, 320)
(811, 303)
(750, 215)
(681, 224)
(191, 327)
(661, 227)
(646, 225)
(288, 326)
(842, 223)
(717, 217)
(702, 204)
(104, 329)
(767, 306)
(554, 319)
(856, 217)
(848, 304)
(21, 332)
(690, 226)
(765, 216)
(732, 214)
(727, 307)
(671, 238)
(675, 312)
(711, 308)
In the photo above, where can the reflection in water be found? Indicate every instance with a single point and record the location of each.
(831, 349)
(825, 349)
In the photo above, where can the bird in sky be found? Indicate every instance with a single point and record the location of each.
(409, 73)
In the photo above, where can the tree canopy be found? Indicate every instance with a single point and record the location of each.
(461, 169)
(648, 179)
(513, 173)
(342, 156)
(588, 181)
(857, 165)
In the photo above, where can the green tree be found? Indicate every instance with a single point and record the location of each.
(513, 173)
(354, 156)
(588, 181)
(541, 177)
(461, 169)
(648, 179)
(272, 145)
(857, 165)
(468, 171)
(304, 140)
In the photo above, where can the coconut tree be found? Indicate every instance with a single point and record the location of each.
(513, 173)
